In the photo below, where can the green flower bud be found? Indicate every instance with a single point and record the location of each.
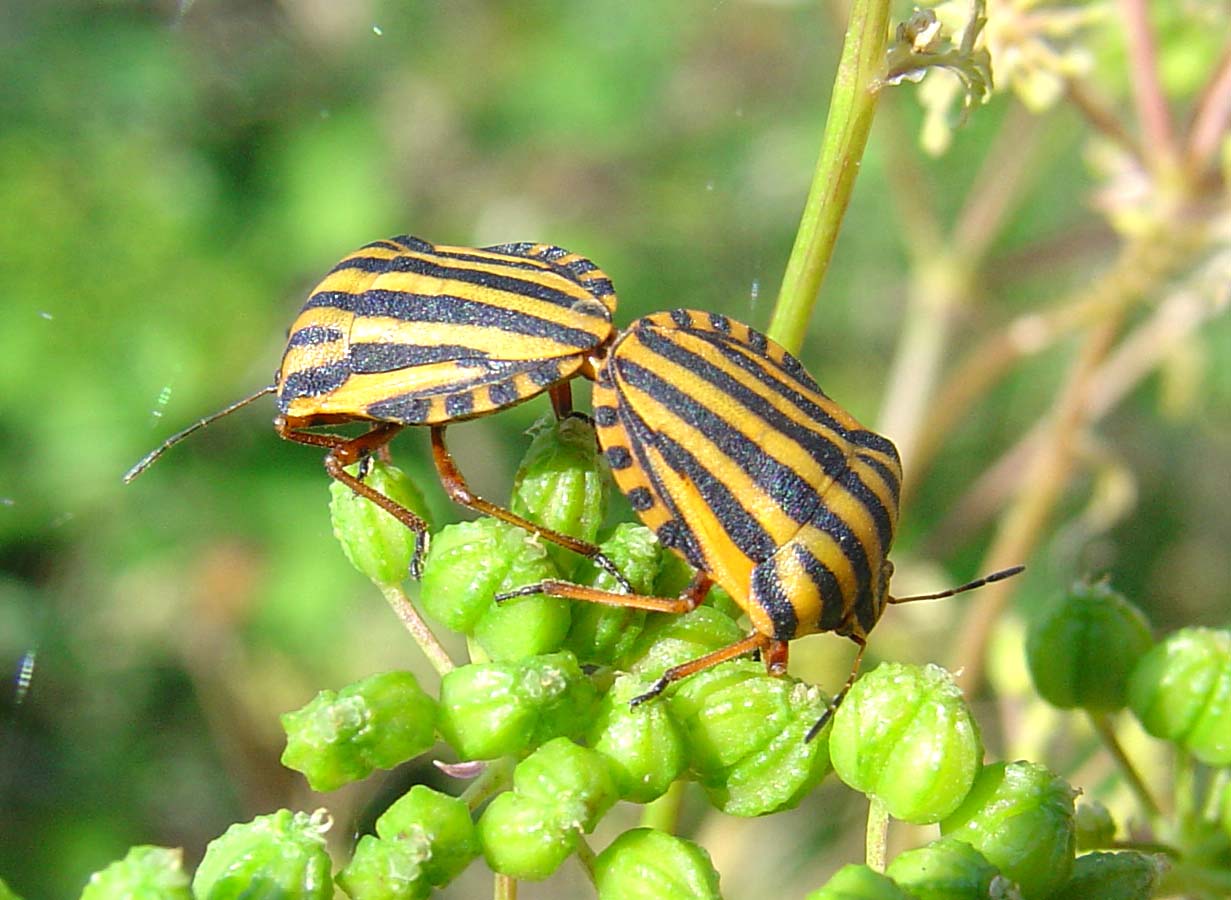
(905, 735)
(562, 485)
(854, 882)
(948, 869)
(498, 709)
(279, 855)
(524, 838)
(745, 732)
(601, 634)
(468, 564)
(384, 870)
(669, 640)
(1113, 876)
(376, 723)
(643, 745)
(146, 873)
(645, 864)
(573, 781)
(1082, 651)
(376, 543)
(1094, 824)
(437, 823)
(1020, 816)
(1181, 692)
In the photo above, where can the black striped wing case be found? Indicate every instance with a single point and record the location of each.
(412, 333)
(734, 456)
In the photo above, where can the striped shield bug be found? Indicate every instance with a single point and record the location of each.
(403, 332)
(729, 450)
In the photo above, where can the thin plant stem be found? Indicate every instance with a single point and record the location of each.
(1102, 725)
(877, 835)
(1185, 789)
(586, 857)
(1101, 118)
(1152, 112)
(663, 814)
(852, 106)
(505, 888)
(418, 628)
(495, 778)
(1210, 121)
(1213, 798)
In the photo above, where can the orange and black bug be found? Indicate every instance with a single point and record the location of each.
(729, 450)
(403, 332)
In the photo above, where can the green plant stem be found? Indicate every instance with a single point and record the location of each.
(1185, 789)
(495, 778)
(586, 857)
(852, 106)
(663, 814)
(877, 835)
(1102, 725)
(1213, 796)
(418, 628)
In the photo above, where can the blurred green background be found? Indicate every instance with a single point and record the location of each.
(173, 180)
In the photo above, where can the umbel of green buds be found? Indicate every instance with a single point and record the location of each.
(150, 873)
(559, 791)
(424, 840)
(497, 709)
(906, 736)
(1020, 817)
(279, 855)
(1181, 692)
(376, 543)
(645, 864)
(1082, 650)
(376, 723)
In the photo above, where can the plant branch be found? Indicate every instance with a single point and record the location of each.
(418, 628)
(1210, 121)
(1102, 725)
(852, 106)
(1101, 118)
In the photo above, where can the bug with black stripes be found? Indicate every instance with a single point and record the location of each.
(733, 455)
(404, 332)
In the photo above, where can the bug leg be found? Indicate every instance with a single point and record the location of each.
(754, 641)
(837, 698)
(459, 492)
(345, 451)
(688, 600)
(561, 400)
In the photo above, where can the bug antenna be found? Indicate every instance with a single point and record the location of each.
(969, 586)
(148, 459)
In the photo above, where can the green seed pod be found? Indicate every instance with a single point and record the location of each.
(645, 864)
(854, 882)
(905, 735)
(498, 709)
(468, 564)
(644, 746)
(279, 855)
(385, 870)
(146, 873)
(948, 869)
(562, 485)
(438, 823)
(1020, 816)
(524, 838)
(1181, 692)
(1113, 876)
(1094, 824)
(669, 640)
(745, 732)
(574, 781)
(377, 544)
(600, 634)
(376, 723)
(1082, 651)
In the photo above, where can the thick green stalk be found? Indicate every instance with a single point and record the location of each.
(852, 106)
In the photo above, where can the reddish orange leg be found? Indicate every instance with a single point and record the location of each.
(345, 451)
(770, 649)
(561, 400)
(459, 492)
(837, 698)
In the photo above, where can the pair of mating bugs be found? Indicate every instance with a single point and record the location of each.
(724, 445)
